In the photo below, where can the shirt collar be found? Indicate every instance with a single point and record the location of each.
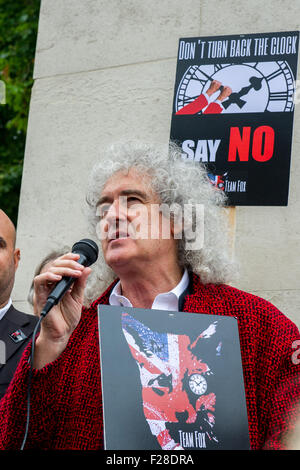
(165, 301)
(4, 309)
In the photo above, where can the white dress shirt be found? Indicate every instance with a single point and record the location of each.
(4, 309)
(166, 301)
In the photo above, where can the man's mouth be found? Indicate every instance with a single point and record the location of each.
(118, 235)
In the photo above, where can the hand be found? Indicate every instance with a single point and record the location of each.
(61, 321)
(213, 87)
(224, 93)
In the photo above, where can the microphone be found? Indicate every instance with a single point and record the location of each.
(88, 251)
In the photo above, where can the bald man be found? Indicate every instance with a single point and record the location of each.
(16, 328)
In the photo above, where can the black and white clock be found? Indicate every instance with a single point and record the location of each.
(256, 86)
(197, 384)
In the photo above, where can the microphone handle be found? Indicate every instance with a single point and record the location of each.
(60, 289)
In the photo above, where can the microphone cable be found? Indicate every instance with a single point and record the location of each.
(30, 361)
(88, 251)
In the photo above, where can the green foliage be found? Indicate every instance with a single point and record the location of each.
(18, 31)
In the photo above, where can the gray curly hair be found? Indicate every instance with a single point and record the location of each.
(174, 181)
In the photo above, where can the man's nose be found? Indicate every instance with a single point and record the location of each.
(117, 210)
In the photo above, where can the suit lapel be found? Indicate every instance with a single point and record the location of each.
(13, 323)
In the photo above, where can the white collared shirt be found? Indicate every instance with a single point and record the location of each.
(165, 301)
(4, 309)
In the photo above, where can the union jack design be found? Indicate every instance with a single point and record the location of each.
(174, 380)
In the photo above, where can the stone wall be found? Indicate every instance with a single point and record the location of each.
(105, 71)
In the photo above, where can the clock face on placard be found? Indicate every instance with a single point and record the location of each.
(256, 87)
(197, 384)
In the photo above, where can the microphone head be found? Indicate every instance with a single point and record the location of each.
(88, 249)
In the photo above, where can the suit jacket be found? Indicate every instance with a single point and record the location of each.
(16, 329)
(66, 400)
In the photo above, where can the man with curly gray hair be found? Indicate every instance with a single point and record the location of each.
(183, 195)
(143, 206)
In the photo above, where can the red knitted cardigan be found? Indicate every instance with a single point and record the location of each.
(66, 404)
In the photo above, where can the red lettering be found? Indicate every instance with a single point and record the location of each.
(239, 144)
(263, 143)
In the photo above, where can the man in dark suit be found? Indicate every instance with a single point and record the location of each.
(16, 328)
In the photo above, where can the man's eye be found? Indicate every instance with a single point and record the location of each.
(102, 210)
(133, 198)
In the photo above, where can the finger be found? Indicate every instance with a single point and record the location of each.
(80, 284)
(68, 264)
(63, 271)
(43, 278)
(69, 255)
(66, 257)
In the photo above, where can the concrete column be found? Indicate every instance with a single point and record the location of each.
(105, 71)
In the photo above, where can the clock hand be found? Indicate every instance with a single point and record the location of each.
(235, 98)
(209, 78)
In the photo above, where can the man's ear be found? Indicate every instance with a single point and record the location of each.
(17, 257)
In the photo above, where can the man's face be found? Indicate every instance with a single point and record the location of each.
(9, 258)
(132, 229)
